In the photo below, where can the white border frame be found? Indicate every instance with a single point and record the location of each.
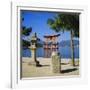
(15, 62)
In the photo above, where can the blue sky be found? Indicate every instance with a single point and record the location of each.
(38, 21)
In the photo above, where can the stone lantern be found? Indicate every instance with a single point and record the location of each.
(33, 48)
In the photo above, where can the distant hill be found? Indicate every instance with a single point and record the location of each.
(68, 43)
(62, 43)
(41, 42)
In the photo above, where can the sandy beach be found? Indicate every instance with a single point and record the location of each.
(29, 70)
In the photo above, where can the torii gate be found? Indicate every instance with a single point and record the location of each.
(50, 44)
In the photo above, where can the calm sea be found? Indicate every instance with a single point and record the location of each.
(64, 51)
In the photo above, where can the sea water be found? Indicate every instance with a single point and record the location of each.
(65, 52)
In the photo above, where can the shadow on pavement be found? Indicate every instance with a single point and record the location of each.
(68, 70)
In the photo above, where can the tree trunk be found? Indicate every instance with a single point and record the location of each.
(72, 48)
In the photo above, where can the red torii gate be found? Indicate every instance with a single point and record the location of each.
(50, 44)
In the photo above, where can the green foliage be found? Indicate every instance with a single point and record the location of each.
(25, 44)
(65, 21)
(26, 31)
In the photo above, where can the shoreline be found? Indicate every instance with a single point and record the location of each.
(50, 57)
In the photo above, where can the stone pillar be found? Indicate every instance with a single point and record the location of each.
(56, 62)
(33, 54)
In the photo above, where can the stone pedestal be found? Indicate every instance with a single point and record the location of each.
(33, 56)
(55, 62)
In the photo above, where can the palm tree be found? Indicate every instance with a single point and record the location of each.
(69, 22)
